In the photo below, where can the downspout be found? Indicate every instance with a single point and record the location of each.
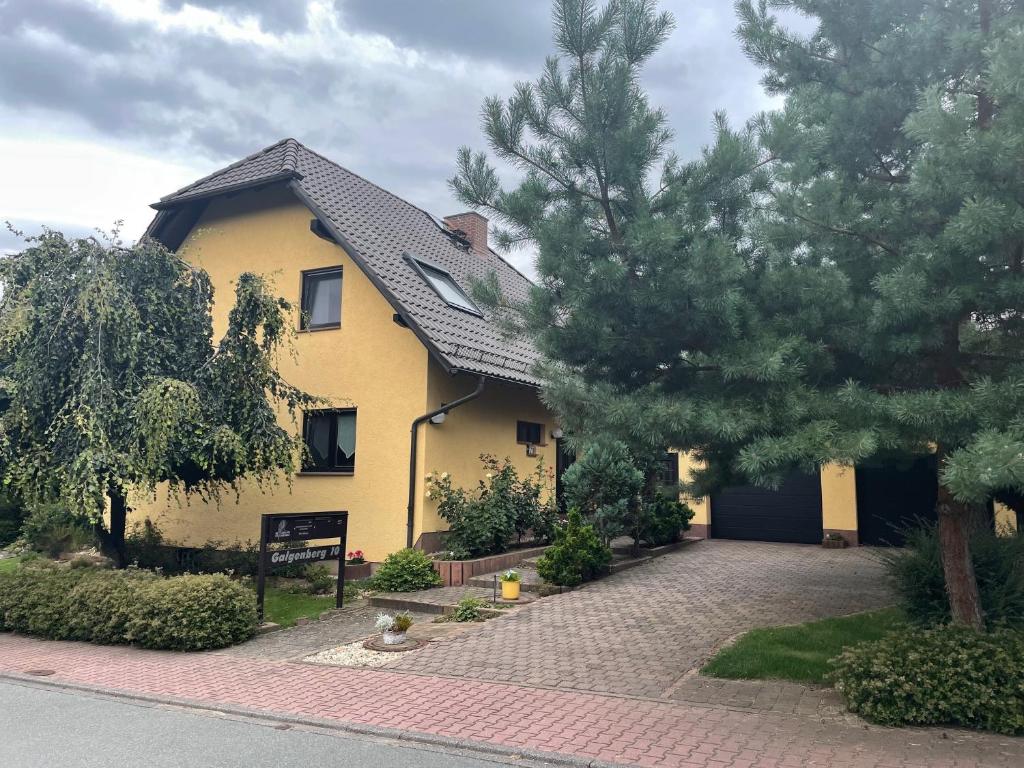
(413, 439)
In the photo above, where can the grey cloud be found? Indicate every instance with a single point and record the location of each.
(180, 94)
(516, 34)
(273, 15)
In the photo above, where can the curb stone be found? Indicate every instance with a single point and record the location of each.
(340, 726)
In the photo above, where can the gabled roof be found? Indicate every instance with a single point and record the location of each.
(379, 230)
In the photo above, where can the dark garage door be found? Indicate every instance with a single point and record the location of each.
(792, 513)
(892, 496)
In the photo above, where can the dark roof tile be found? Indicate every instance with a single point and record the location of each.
(381, 228)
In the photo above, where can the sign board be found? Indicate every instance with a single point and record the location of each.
(288, 527)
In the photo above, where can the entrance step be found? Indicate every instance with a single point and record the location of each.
(529, 580)
(441, 600)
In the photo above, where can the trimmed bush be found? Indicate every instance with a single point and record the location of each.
(998, 564)
(406, 571)
(193, 613)
(35, 599)
(663, 520)
(577, 555)
(942, 676)
(187, 613)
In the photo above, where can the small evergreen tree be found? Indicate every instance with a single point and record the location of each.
(111, 381)
(604, 485)
(842, 278)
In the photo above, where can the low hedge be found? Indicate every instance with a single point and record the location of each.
(185, 613)
(943, 676)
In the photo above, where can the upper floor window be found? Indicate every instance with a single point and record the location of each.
(321, 299)
(330, 440)
(529, 432)
(444, 285)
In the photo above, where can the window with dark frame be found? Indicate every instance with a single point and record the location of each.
(529, 432)
(321, 299)
(668, 469)
(330, 437)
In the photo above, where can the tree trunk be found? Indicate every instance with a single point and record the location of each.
(112, 539)
(954, 543)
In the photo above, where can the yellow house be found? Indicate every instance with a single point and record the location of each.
(418, 378)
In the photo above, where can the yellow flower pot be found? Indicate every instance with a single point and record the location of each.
(510, 590)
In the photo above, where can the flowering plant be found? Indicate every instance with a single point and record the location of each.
(503, 507)
(355, 558)
(511, 575)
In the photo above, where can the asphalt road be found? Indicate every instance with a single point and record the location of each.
(42, 728)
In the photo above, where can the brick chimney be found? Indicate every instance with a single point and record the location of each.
(474, 227)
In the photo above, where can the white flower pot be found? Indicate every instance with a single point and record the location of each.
(394, 638)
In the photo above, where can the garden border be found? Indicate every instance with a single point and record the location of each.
(455, 573)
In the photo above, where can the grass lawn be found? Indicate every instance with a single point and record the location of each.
(799, 652)
(9, 564)
(285, 608)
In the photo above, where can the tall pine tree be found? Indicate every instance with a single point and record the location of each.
(840, 280)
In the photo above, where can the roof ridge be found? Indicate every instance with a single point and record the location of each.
(236, 164)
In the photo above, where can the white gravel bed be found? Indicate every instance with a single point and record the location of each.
(353, 655)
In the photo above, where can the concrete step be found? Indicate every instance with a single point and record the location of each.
(440, 600)
(530, 581)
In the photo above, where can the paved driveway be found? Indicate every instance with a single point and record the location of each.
(639, 632)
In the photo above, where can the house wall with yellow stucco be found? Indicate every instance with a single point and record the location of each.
(369, 363)
(485, 425)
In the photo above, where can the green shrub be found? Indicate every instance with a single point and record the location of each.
(577, 555)
(921, 586)
(942, 676)
(105, 603)
(601, 484)
(501, 508)
(468, 609)
(193, 613)
(663, 520)
(36, 599)
(178, 613)
(320, 579)
(406, 571)
(54, 530)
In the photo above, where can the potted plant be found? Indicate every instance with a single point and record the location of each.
(393, 628)
(833, 541)
(355, 558)
(510, 584)
(356, 566)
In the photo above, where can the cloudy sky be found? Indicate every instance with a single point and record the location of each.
(106, 105)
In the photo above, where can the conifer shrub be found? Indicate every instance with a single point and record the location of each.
(944, 676)
(406, 571)
(578, 554)
(663, 520)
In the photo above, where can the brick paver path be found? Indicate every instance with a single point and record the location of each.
(615, 729)
(640, 631)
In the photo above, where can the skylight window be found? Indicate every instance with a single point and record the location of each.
(444, 285)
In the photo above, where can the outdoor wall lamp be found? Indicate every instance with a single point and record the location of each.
(438, 418)
(557, 433)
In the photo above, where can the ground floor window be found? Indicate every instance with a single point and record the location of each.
(330, 441)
